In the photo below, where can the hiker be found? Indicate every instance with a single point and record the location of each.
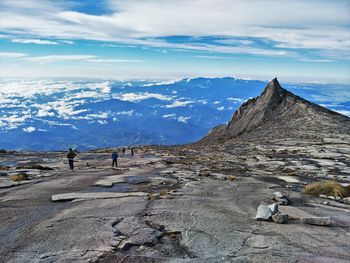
(123, 151)
(71, 155)
(132, 151)
(114, 159)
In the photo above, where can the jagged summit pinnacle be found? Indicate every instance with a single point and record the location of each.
(278, 113)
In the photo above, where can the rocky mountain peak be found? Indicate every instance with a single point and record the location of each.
(278, 113)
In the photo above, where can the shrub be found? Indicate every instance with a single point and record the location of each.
(3, 151)
(19, 177)
(328, 188)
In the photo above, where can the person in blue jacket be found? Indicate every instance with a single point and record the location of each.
(114, 159)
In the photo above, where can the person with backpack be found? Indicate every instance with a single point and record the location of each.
(71, 155)
(114, 159)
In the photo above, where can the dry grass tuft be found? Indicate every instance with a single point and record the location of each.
(231, 178)
(206, 174)
(329, 188)
(163, 192)
(153, 196)
(2, 167)
(19, 177)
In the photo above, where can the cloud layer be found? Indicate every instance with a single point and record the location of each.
(285, 26)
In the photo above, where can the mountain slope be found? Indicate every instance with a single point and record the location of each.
(278, 113)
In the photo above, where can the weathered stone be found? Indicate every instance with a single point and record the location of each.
(278, 195)
(280, 218)
(273, 208)
(264, 213)
(347, 200)
(319, 221)
(282, 201)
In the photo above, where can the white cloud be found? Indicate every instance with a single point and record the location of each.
(178, 103)
(29, 129)
(69, 42)
(221, 108)
(235, 100)
(344, 112)
(136, 97)
(128, 113)
(14, 120)
(34, 41)
(12, 55)
(44, 113)
(183, 119)
(169, 116)
(166, 82)
(101, 60)
(57, 58)
(317, 60)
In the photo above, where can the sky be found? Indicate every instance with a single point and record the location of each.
(297, 41)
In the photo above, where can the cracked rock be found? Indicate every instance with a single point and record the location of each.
(319, 221)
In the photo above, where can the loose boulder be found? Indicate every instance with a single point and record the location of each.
(280, 198)
(280, 218)
(273, 208)
(264, 213)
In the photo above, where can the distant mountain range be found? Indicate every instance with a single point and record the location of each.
(55, 115)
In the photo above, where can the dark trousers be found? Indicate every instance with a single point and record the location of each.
(115, 162)
(71, 164)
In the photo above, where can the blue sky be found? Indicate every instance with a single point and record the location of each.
(301, 41)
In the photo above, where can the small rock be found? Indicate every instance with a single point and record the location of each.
(325, 203)
(319, 221)
(264, 213)
(278, 195)
(280, 198)
(273, 208)
(280, 218)
(347, 200)
(323, 196)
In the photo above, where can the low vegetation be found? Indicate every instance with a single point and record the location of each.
(3, 151)
(163, 192)
(231, 178)
(19, 177)
(4, 167)
(329, 188)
